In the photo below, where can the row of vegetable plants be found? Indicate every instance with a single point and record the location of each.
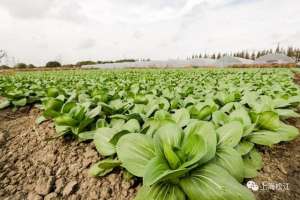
(188, 134)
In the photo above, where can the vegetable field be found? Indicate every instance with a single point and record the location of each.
(195, 134)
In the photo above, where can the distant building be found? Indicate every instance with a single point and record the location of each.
(175, 63)
(274, 59)
(202, 62)
(226, 61)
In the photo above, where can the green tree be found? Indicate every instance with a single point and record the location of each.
(258, 54)
(277, 48)
(53, 64)
(86, 62)
(253, 56)
(290, 52)
(20, 65)
(247, 56)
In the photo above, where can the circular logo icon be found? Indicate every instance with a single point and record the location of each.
(252, 185)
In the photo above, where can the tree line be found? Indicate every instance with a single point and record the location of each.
(52, 64)
(290, 51)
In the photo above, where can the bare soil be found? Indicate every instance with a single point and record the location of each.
(280, 177)
(33, 167)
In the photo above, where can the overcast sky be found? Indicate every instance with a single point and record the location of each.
(36, 31)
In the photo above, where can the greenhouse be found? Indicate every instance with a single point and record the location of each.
(201, 62)
(274, 59)
(230, 61)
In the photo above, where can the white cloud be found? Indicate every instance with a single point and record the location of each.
(27, 8)
(36, 31)
(87, 44)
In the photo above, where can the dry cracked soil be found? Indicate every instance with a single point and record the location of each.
(34, 167)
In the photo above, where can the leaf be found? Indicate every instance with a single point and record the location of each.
(84, 123)
(116, 104)
(140, 99)
(203, 113)
(288, 132)
(136, 116)
(249, 129)
(65, 120)
(117, 124)
(244, 147)
(87, 135)
(267, 138)
(171, 157)
(101, 123)
(51, 114)
(161, 191)
(181, 117)
(144, 193)
(241, 115)
(114, 140)
(4, 103)
(83, 98)
(158, 170)
(78, 112)
(194, 148)
(287, 113)
(132, 126)
(94, 112)
(151, 109)
(230, 134)
(134, 88)
(227, 108)
(252, 162)
(269, 120)
(211, 182)
(20, 102)
(220, 118)
(67, 107)
(162, 115)
(163, 103)
(103, 167)
(52, 92)
(294, 99)
(207, 132)
(61, 130)
(40, 119)
(53, 104)
(102, 139)
(169, 133)
(231, 160)
(135, 151)
(280, 103)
